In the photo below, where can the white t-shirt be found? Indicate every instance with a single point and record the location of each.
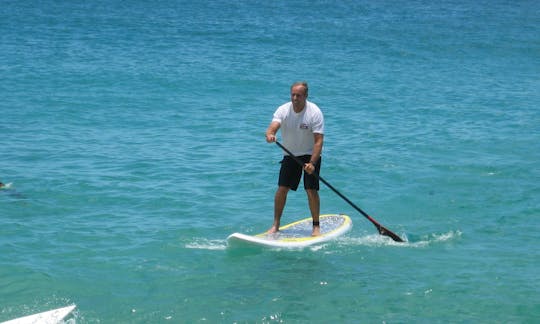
(297, 128)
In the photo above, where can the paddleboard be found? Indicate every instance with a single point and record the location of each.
(297, 234)
(49, 317)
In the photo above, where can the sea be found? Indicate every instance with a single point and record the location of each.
(132, 145)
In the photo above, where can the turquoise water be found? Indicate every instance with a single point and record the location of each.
(132, 137)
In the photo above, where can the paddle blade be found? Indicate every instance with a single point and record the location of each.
(386, 232)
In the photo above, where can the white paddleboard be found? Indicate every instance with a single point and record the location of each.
(49, 317)
(297, 234)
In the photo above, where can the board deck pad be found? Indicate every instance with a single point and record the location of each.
(297, 234)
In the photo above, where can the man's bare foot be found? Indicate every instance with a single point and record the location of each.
(316, 231)
(273, 229)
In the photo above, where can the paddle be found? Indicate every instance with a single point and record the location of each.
(382, 230)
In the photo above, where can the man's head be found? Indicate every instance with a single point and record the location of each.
(299, 94)
(302, 84)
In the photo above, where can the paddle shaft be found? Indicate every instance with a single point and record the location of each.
(382, 230)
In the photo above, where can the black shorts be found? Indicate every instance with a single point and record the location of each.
(290, 173)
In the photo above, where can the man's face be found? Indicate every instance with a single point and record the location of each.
(298, 96)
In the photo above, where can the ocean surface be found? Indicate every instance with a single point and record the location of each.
(132, 144)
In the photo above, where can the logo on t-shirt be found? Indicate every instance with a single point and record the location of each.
(304, 126)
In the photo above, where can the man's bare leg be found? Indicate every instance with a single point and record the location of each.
(314, 207)
(279, 204)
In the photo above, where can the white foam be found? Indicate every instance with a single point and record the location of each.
(446, 236)
(380, 240)
(369, 240)
(7, 185)
(315, 248)
(206, 244)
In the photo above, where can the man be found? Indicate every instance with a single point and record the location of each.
(302, 128)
